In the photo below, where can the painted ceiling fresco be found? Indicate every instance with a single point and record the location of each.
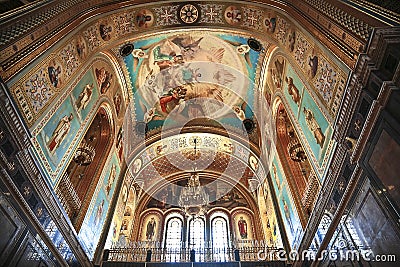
(172, 77)
(59, 132)
(41, 90)
(269, 217)
(232, 199)
(35, 91)
(99, 205)
(168, 72)
(312, 122)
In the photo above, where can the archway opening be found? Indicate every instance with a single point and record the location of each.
(78, 184)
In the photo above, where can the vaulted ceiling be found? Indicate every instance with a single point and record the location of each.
(185, 86)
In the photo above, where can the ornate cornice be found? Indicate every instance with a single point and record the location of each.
(348, 105)
(24, 40)
(31, 215)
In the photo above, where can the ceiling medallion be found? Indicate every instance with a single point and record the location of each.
(254, 44)
(248, 125)
(126, 50)
(140, 128)
(189, 13)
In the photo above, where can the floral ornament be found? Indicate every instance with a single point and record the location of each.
(243, 49)
(342, 185)
(26, 190)
(189, 14)
(39, 212)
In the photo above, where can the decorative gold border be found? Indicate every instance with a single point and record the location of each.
(116, 39)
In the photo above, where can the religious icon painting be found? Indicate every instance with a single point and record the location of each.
(81, 47)
(293, 89)
(277, 71)
(84, 95)
(128, 211)
(117, 99)
(106, 31)
(55, 73)
(226, 146)
(150, 226)
(104, 77)
(233, 15)
(315, 126)
(144, 18)
(124, 193)
(137, 164)
(253, 162)
(58, 133)
(270, 23)
(243, 225)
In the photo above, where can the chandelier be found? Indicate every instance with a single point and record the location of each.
(193, 198)
(85, 153)
(296, 151)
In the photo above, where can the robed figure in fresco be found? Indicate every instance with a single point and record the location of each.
(60, 132)
(84, 97)
(242, 225)
(150, 230)
(99, 213)
(293, 90)
(312, 124)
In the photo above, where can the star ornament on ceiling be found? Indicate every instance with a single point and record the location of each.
(189, 13)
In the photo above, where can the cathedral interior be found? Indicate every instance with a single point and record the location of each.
(188, 133)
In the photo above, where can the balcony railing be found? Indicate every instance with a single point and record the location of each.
(146, 252)
(68, 197)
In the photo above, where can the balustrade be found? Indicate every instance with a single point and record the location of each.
(250, 250)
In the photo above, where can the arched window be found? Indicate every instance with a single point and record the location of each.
(173, 237)
(196, 237)
(220, 236)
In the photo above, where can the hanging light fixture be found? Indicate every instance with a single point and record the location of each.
(193, 198)
(296, 151)
(85, 153)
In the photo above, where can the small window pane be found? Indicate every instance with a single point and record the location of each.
(173, 239)
(196, 238)
(220, 239)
